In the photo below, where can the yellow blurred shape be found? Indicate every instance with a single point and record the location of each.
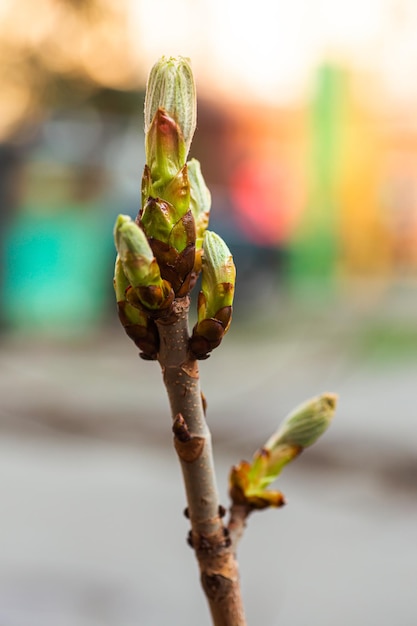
(15, 104)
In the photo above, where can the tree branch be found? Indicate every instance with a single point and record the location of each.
(239, 513)
(192, 439)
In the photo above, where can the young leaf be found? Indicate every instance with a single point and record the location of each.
(171, 87)
(300, 429)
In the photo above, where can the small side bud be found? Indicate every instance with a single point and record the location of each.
(216, 297)
(135, 253)
(200, 204)
(219, 275)
(200, 200)
(139, 265)
(139, 327)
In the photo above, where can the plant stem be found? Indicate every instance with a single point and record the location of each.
(239, 513)
(192, 440)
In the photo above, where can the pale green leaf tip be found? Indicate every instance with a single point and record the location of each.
(306, 423)
(120, 221)
(200, 193)
(171, 87)
(300, 429)
(218, 258)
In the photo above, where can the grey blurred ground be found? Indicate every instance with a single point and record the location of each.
(91, 497)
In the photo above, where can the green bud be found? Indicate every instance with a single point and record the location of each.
(171, 87)
(215, 298)
(301, 428)
(160, 221)
(306, 423)
(140, 328)
(200, 204)
(140, 266)
(135, 253)
(137, 324)
(200, 200)
(218, 276)
(120, 281)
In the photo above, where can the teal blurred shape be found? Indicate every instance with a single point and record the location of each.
(57, 269)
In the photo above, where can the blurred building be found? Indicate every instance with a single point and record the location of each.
(309, 151)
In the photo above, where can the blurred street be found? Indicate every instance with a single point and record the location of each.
(307, 139)
(92, 500)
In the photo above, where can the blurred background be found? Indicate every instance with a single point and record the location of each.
(307, 137)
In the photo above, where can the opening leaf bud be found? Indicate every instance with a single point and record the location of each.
(171, 87)
(139, 327)
(218, 276)
(301, 428)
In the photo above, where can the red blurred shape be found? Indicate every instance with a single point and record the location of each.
(260, 195)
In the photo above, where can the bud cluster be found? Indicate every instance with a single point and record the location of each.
(161, 254)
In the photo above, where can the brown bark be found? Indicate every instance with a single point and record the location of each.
(192, 439)
(239, 514)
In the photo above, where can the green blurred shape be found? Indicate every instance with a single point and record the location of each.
(314, 250)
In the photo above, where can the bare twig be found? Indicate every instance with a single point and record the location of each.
(192, 439)
(239, 514)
